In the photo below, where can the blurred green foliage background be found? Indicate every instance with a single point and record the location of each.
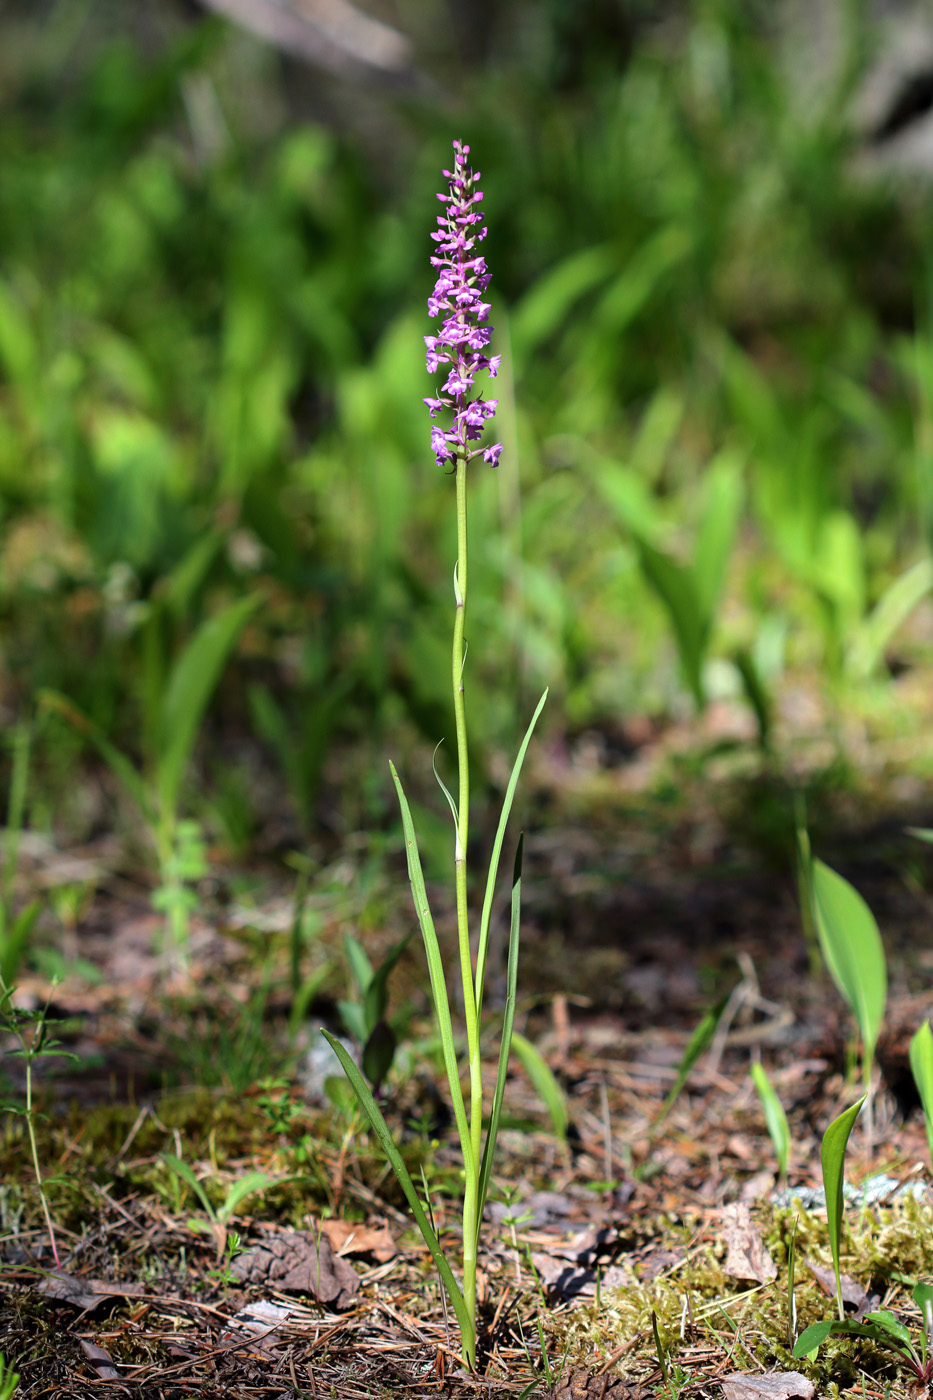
(711, 294)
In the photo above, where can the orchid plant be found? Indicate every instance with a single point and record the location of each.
(459, 350)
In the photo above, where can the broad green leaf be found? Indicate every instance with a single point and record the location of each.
(378, 1053)
(922, 833)
(889, 1323)
(505, 1042)
(853, 951)
(249, 1185)
(891, 611)
(922, 1295)
(351, 1014)
(376, 999)
(546, 304)
(921, 1066)
(436, 975)
(181, 1169)
(191, 683)
(698, 1043)
(507, 800)
(775, 1117)
(544, 1082)
(832, 1159)
(717, 533)
(381, 1129)
(676, 588)
(884, 1329)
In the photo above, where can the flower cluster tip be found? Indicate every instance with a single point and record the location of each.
(461, 344)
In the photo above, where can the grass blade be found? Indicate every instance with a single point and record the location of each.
(545, 1084)
(505, 1043)
(698, 1043)
(494, 859)
(184, 1172)
(832, 1159)
(436, 974)
(386, 1142)
(775, 1117)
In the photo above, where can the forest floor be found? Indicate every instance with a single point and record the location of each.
(643, 1252)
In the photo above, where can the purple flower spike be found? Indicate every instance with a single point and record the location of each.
(464, 336)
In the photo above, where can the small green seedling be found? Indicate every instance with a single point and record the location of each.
(832, 1160)
(545, 1083)
(775, 1117)
(854, 955)
(250, 1184)
(365, 1019)
(9, 1380)
(697, 1045)
(883, 1328)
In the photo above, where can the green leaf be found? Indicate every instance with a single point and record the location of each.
(775, 1117)
(853, 951)
(717, 533)
(182, 1170)
(921, 1066)
(545, 305)
(883, 1329)
(923, 1295)
(436, 975)
(505, 1042)
(889, 1323)
(698, 1043)
(832, 1158)
(191, 683)
(922, 833)
(891, 611)
(360, 965)
(676, 588)
(378, 1053)
(544, 1082)
(507, 800)
(381, 1129)
(351, 1014)
(13, 941)
(376, 1000)
(118, 763)
(249, 1185)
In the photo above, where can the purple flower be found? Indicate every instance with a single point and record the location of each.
(464, 336)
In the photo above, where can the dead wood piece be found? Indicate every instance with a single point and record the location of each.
(297, 1261)
(772, 1385)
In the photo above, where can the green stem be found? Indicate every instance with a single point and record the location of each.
(471, 1189)
(35, 1163)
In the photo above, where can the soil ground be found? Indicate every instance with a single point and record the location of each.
(647, 898)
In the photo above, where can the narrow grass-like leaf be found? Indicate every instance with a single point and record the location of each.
(544, 1083)
(853, 951)
(387, 1143)
(717, 533)
(507, 800)
(118, 763)
(832, 1159)
(191, 683)
(893, 608)
(505, 1042)
(435, 973)
(14, 935)
(775, 1117)
(922, 833)
(360, 965)
(698, 1043)
(675, 585)
(921, 1067)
